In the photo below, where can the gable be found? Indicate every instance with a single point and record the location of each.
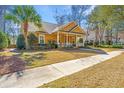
(78, 29)
(68, 26)
(73, 27)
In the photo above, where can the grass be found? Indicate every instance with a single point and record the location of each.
(108, 49)
(109, 74)
(7, 53)
(42, 58)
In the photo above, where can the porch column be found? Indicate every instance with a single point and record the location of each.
(84, 39)
(76, 40)
(58, 38)
(64, 40)
(67, 39)
(39, 39)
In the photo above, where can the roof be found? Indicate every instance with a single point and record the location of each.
(51, 27)
(72, 27)
(46, 27)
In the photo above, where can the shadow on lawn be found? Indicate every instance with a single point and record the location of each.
(11, 64)
(30, 58)
(85, 50)
(99, 51)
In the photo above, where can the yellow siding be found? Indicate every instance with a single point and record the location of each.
(50, 37)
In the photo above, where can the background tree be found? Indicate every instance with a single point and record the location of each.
(78, 13)
(23, 15)
(3, 10)
(60, 17)
(105, 19)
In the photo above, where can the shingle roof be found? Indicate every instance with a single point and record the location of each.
(46, 27)
(49, 27)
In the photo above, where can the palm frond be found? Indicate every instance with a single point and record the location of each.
(20, 14)
(11, 17)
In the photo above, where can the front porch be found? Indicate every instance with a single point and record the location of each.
(66, 39)
(63, 39)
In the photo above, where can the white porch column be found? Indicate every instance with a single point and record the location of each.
(84, 39)
(39, 39)
(76, 41)
(67, 39)
(58, 38)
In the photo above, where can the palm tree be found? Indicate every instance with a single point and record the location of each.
(23, 15)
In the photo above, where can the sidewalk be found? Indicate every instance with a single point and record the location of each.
(38, 76)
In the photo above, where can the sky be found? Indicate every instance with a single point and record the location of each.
(47, 12)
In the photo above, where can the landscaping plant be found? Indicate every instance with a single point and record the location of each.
(3, 40)
(20, 42)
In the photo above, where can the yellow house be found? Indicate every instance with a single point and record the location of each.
(66, 35)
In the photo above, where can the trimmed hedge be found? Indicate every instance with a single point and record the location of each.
(3, 40)
(111, 46)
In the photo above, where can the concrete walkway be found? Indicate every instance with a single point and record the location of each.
(38, 76)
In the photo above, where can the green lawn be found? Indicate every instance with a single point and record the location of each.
(107, 74)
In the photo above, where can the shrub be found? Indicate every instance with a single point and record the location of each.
(111, 46)
(9, 42)
(90, 42)
(32, 39)
(117, 46)
(20, 42)
(96, 43)
(109, 42)
(52, 44)
(3, 40)
(81, 40)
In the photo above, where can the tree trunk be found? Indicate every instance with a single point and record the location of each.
(25, 28)
(96, 35)
(107, 37)
(101, 33)
(111, 38)
(116, 37)
(4, 22)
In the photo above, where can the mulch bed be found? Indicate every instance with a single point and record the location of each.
(11, 64)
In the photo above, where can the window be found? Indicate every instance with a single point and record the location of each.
(41, 39)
